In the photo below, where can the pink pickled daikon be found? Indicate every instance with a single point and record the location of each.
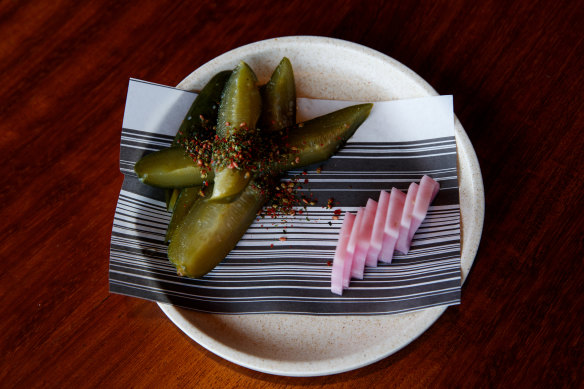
(365, 232)
(403, 245)
(376, 240)
(341, 256)
(352, 245)
(427, 191)
(392, 224)
(362, 240)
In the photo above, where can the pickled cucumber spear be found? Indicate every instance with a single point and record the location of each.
(279, 99)
(211, 230)
(236, 123)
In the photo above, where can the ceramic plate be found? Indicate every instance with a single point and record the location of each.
(308, 345)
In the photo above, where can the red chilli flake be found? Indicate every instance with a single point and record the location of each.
(330, 203)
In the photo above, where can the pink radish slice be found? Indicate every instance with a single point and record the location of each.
(347, 269)
(341, 255)
(365, 233)
(435, 191)
(403, 245)
(427, 191)
(352, 246)
(378, 226)
(363, 238)
(348, 263)
(392, 224)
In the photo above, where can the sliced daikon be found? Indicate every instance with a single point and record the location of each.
(342, 258)
(376, 240)
(392, 224)
(403, 245)
(352, 246)
(427, 191)
(365, 233)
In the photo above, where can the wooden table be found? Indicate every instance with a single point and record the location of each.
(515, 70)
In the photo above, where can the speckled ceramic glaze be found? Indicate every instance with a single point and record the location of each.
(306, 345)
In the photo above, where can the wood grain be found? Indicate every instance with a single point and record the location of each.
(515, 71)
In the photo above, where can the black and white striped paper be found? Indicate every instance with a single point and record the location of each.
(401, 141)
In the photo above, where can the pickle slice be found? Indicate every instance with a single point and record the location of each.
(185, 201)
(168, 168)
(229, 183)
(240, 102)
(239, 111)
(279, 99)
(202, 115)
(211, 230)
(316, 140)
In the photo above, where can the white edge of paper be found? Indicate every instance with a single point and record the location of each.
(160, 109)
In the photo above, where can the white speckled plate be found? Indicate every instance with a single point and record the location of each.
(305, 345)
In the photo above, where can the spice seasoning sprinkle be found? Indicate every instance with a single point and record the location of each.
(330, 203)
(258, 156)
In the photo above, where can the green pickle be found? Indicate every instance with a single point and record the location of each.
(172, 168)
(185, 201)
(204, 109)
(239, 111)
(229, 183)
(169, 168)
(316, 140)
(279, 99)
(240, 102)
(211, 230)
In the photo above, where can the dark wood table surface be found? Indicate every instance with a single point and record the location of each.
(515, 70)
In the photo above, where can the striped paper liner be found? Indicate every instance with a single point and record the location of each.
(266, 275)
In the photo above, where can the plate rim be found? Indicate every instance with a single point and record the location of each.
(476, 186)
